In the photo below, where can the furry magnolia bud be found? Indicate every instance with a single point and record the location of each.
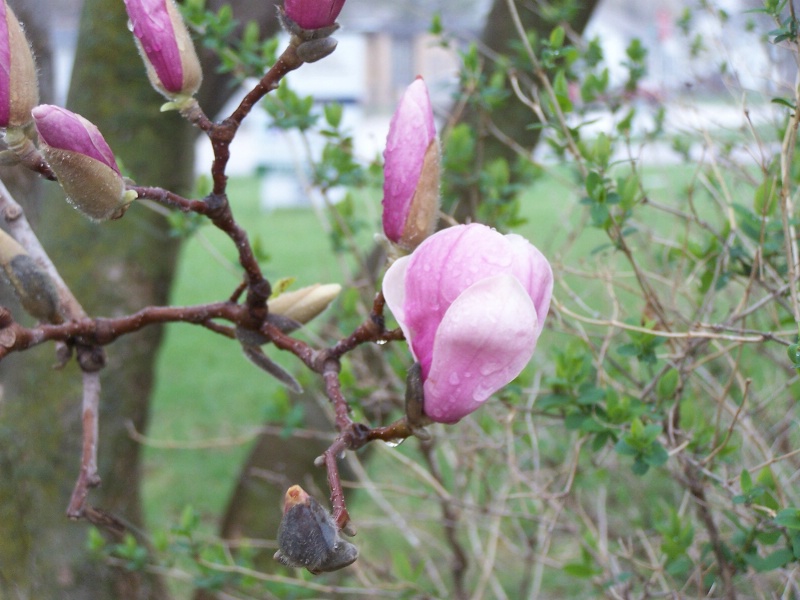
(83, 162)
(31, 284)
(306, 303)
(308, 536)
(19, 91)
(166, 47)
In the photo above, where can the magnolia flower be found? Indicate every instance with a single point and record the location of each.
(166, 47)
(82, 161)
(19, 91)
(411, 170)
(313, 14)
(472, 303)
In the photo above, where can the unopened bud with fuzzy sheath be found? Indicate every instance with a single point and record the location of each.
(19, 91)
(83, 162)
(32, 285)
(308, 536)
(306, 303)
(166, 47)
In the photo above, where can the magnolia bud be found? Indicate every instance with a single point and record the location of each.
(308, 536)
(306, 303)
(32, 285)
(411, 170)
(83, 162)
(166, 47)
(19, 91)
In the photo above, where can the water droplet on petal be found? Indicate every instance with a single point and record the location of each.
(454, 379)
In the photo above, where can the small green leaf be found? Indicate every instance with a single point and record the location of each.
(745, 481)
(789, 518)
(773, 561)
(333, 114)
(557, 37)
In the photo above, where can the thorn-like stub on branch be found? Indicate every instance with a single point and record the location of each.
(91, 358)
(308, 536)
(63, 355)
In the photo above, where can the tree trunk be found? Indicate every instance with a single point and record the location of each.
(112, 268)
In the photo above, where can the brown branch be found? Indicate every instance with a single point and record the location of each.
(88, 477)
(103, 331)
(222, 134)
(170, 199)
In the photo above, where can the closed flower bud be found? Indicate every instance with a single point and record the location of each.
(411, 170)
(306, 303)
(308, 536)
(32, 285)
(83, 162)
(472, 303)
(166, 47)
(19, 91)
(313, 14)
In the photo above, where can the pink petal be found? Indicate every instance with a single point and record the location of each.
(66, 130)
(411, 132)
(486, 338)
(533, 271)
(394, 292)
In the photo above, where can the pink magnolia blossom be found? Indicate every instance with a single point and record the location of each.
(313, 14)
(82, 161)
(19, 91)
(472, 303)
(165, 45)
(411, 170)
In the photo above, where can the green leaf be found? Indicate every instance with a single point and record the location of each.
(581, 570)
(745, 481)
(789, 518)
(333, 114)
(773, 561)
(592, 396)
(667, 384)
(557, 37)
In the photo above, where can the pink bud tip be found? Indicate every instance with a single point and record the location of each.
(411, 133)
(65, 130)
(472, 304)
(313, 14)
